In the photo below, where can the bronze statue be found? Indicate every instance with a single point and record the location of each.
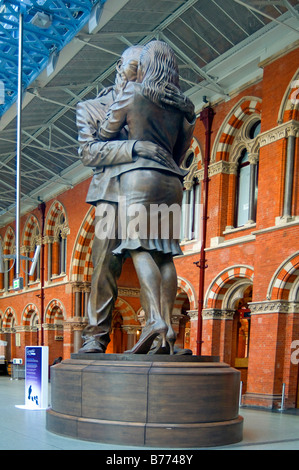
(149, 117)
(104, 157)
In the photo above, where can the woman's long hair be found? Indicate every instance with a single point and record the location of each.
(159, 68)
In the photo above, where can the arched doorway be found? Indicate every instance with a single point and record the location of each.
(180, 320)
(228, 301)
(54, 329)
(30, 322)
(241, 334)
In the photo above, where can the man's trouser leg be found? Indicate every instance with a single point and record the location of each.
(107, 269)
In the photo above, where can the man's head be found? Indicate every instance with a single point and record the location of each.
(127, 65)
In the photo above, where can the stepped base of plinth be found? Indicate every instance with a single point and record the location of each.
(170, 403)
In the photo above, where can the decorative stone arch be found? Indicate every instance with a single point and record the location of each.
(53, 215)
(29, 313)
(242, 111)
(10, 318)
(218, 291)
(55, 312)
(294, 291)
(289, 108)
(81, 265)
(1, 319)
(234, 293)
(285, 279)
(127, 312)
(196, 165)
(8, 242)
(29, 231)
(186, 287)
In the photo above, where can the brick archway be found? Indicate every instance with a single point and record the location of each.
(27, 314)
(81, 265)
(289, 109)
(127, 312)
(8, 242)
(54, 311)
(10, 318)
(54, 213)
(223, 282)
(186, 287)
(29, 229)
(284, 279)
(234, 121)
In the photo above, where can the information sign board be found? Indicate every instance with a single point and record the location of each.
(36, 377)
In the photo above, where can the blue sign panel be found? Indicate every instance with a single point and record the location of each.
(36, 377)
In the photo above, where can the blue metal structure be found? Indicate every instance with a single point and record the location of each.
(48, 26)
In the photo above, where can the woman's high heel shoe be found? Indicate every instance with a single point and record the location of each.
(149, 333)
(166, 347)
(170, 338)
(170, 342)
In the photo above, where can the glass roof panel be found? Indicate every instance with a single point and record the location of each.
(48, 26)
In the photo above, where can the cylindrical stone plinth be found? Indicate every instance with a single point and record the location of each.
(165, 402)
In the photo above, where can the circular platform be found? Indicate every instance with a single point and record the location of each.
(155, 402)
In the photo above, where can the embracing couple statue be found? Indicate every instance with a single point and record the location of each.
(135, 135)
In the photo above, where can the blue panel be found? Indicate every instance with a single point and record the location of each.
(67, 19)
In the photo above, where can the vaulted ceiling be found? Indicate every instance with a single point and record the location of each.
(70, 49)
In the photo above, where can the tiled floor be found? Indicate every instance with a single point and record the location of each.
(22, 429)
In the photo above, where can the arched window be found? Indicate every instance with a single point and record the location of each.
(243, 190)
(254, 130)
(62, 244)
(190, 212)
(247, 179)
(56, 235)
(190, 218)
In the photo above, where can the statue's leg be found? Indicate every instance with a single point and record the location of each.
(150, 298)
(107, 269)
(168, 296)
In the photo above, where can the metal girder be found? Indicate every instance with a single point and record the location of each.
(43, 98)
(262, 13)
(64, 181)
(290, 7)
(187, 60)
(95, 46)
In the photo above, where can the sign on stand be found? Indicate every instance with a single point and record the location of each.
(36, 377)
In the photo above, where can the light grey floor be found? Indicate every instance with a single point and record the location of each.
(23, 429)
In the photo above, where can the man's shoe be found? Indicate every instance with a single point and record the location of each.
(92, 347)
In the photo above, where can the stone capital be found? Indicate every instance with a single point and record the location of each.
(217, 314)
(273, 306)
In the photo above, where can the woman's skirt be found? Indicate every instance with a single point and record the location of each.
(149, 211)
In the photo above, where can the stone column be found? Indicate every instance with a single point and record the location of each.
(48, 244)
(193, 315)
(77, 290)
(218, 333)
(289, 173)
(131, 331)
(86, 294)
(55, 257)
(253, 160)
(175, 322)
